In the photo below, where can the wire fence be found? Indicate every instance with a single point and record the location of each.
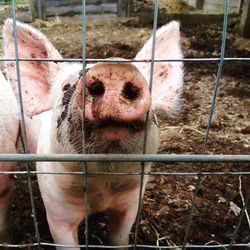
(143, 158)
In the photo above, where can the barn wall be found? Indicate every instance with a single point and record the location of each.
(64, 7)
(215, 5)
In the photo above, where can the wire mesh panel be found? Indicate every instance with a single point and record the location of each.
(202, 166)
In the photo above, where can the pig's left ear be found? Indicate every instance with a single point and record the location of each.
(36, 76)
(167, 76)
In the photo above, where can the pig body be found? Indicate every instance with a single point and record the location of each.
(117, 196)
(117, 100)
(9, 126)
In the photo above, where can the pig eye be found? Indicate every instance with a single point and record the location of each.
(130, 91)
(97, 88)
(66, 87)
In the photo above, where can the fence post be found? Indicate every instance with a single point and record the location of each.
(239, 6)
(245, 19)
(32, 9)
(41, 9)
(199, 4)
(125, 8)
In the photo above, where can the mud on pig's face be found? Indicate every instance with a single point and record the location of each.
(117, 99)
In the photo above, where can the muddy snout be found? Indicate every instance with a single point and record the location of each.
(114, 91)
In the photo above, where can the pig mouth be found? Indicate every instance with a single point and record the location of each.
(112, 136)
(132, 127)
(111, 129)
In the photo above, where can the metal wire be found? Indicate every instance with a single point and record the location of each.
(240, 220)
(163, 173)
(85, 186)
(124, 157)
(92, 60)
(23, 127)
(137, 221)
(199, 179)
(128, 158)
(209, 246)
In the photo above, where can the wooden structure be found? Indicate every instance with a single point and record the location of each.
(124, 8)
(214, 5)
(45, 8)
(71, 7)
(245, 19)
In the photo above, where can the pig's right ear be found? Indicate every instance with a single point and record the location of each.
(167, 76)
(36, 76)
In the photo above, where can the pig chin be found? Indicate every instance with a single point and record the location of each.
(114, 133)
(110, 136)
(115, 130)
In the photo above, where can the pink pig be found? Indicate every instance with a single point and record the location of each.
(9, 126)
(117, 100)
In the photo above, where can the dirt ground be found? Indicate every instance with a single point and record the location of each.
(167, 201)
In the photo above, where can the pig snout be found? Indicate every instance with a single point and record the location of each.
(114, 91)
(117, 99)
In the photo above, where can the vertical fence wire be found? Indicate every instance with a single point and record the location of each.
(23, 127)
(210, 117)
(146, 122)
(212, 109)
(244, 208)
(85, 188)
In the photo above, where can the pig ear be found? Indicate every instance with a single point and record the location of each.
(36, 76)
(167, 76)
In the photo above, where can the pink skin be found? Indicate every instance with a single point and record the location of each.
(113, 102)
(111, 133)
(114, 91)
(31, 73)
(114, 77)
(6, 197)
(121, 209)
(6, 181)
(9, 124)
(7, 185)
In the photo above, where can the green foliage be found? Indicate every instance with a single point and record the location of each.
(17, 1)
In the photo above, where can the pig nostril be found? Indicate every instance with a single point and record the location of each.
(130, 91)
(66, 86)
(97, 88)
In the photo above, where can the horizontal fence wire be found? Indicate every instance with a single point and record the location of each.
(163, 173)
(165, 158)
(92, 60)
(124, 158)
(189, 246)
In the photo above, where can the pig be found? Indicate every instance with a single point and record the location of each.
(9, 127)
(117, 100)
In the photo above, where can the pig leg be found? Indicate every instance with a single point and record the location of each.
(120, 226)
(63, 215)
(6, 196)
(63, 232)
(122, 219)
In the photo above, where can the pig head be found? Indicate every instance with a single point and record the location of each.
(9, 126)
(117, 100)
